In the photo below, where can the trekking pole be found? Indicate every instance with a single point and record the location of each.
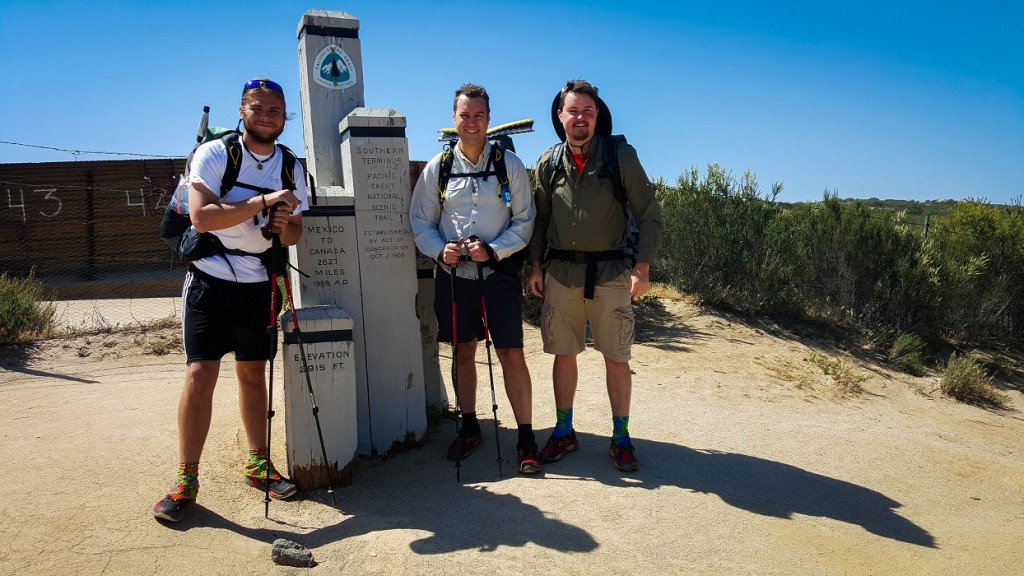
(272, 330)
(204, 122)
(490, 365)
(276, 247)
(455, 365)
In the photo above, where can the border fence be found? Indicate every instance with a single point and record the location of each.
(87, 231)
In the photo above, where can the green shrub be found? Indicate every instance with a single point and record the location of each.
(714, 243)
(979, 249)
(965, 379)
(906, 353)
(23, 314)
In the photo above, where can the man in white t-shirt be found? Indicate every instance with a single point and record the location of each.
(226, 296)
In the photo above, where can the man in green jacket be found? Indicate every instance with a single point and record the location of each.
(581, 238)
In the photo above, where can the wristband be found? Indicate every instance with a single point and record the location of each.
(264, 201)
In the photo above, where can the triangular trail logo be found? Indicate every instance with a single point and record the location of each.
(334, 69)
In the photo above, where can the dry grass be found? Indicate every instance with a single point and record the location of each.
(907, 354)
(966, 380)
(842, 373)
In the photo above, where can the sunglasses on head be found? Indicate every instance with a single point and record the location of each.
(256, 84)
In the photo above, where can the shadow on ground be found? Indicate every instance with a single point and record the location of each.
(418, 491)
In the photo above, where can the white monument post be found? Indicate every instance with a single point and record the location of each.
(325, 336)
(331, 76)
(357, 243)
(436, 395)
(375, 157)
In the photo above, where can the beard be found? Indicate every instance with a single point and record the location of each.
(580, 133)
(262, 134)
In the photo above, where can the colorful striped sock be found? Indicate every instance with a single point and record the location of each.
(258, 464)
(620, 430)
(187, 486)
(563, 427)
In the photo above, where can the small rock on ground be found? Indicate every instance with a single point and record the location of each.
(288, 553)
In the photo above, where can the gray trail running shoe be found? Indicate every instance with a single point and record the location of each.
(280, 487)
(171, 509)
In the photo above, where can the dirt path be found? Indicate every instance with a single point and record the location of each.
(751, 463)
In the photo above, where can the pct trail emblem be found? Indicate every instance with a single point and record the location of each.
(333, 69)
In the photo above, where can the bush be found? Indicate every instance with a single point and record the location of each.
(906, 353)
(844, 261)
(851, 264)
(23, 315)
(714, 243)
(966, 380)
(980, 252)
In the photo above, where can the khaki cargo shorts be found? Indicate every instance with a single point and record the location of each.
(565, 314)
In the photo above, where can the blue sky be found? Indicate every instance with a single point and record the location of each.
(909, 100)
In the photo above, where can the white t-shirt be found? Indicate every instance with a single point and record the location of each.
(208, 167)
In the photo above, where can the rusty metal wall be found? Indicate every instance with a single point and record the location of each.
(88, 229)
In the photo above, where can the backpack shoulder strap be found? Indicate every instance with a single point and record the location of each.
(444, 172)
(287, 167)
(234, 165)
(497, 159)
(554, 165)
(611, 161)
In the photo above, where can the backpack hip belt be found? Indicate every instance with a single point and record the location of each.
(590, 259)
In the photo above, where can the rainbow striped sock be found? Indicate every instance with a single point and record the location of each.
(187, 486)
(258, 464)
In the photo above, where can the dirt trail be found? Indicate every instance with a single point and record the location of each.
(751, 462)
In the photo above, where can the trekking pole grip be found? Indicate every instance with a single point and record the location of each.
(267, 231)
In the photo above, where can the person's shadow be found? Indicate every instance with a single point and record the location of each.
(418, 491)
(753, 484)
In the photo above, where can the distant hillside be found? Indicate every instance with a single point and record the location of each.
(916, 212)
(911, 207)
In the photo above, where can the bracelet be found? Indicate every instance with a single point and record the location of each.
(264, 201)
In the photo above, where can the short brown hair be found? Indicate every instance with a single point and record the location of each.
(578, 86)
(472, 91)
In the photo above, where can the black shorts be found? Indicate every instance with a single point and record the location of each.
(220, 316)
(504, 294)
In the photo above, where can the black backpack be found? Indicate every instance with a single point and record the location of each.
(495, 166)
(176, 227)
(611, 170)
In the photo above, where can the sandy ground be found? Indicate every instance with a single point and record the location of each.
(752, 461)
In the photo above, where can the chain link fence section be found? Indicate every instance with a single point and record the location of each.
(88, 231)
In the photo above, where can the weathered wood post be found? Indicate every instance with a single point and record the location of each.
(433, 383)
(331, 79)
(375, 157)
(325, 336)
(357, 245)
(331, 86)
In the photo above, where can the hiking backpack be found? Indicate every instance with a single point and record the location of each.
(610, 169)
(496, 167)
(176, 228)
